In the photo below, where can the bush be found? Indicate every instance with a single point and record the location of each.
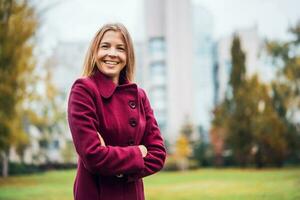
(22, 168)
(173, 163)
(203, 154)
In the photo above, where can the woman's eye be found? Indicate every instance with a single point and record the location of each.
(104, 46)
(121, 49)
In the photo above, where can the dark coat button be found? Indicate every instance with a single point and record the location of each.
(131, 142)
(132, 122)
(132, 104)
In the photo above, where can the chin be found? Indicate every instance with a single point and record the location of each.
(110, 73)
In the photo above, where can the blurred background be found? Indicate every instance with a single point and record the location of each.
(223, 78)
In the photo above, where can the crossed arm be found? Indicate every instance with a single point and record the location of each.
(143, 149)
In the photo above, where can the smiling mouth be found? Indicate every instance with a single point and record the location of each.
(110, 62)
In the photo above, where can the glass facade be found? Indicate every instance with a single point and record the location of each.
(158, 73)
(157, 46)
(204, 64)
(158, 77)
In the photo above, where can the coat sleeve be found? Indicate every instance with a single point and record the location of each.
(154, 143)
(83, 123)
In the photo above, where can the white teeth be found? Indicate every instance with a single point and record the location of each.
(111, 62)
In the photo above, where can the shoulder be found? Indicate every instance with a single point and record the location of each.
(86, 81)
(143, 96)
(86, 84)
(142, 93)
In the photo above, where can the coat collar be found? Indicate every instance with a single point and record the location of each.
(106, 86)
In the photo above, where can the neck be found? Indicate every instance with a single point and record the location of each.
(116, 80)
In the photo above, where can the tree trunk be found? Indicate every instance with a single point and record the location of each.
(4, 156)
(258, 159)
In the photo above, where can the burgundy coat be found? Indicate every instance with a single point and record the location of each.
(124, 118)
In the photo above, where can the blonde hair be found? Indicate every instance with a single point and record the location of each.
(90, 62)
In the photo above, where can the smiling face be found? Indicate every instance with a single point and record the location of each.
(112, 55)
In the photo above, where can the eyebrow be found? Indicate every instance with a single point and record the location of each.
(104, 43)
(110, 43)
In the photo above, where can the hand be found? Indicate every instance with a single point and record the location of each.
(143, 150)
(101, 140)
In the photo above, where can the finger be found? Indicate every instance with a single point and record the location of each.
(101, 139)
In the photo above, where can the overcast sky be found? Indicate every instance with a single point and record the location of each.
(73, 20)
(273, 17)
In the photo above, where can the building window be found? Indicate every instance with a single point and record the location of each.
(157, 44)
(157, 48)
(158, 98)
(158, 73)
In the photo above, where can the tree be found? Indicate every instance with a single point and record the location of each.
(238, 70)
(230, 123)
(18, 23)
(238, 137)
(182, 152)
(46, 111)
(218, 131)
(286, 88)
(268, 144)
(246, 119)
(255, 132)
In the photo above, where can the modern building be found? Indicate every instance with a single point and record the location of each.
(169, 63)
(203, 66)
(179, 60)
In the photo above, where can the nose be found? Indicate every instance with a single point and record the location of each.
(112, 52)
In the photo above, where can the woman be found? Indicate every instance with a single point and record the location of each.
(113, 127)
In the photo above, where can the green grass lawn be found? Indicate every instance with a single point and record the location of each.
(206, 184)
